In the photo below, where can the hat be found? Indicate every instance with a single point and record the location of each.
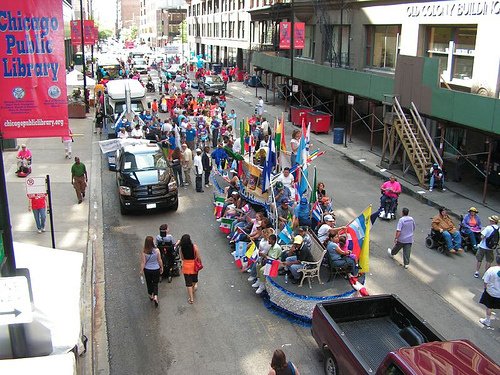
(328, 218)
(198, 150)
(298, 240)
(284, 200)
(303, 200)
(279, 185)
(494, 218)
(473, 209)
(23, 146)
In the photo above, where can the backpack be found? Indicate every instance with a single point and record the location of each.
(493, 238)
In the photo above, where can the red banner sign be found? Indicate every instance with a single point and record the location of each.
(285, 35)
(88, 32)
(33, 101)
(299, 35)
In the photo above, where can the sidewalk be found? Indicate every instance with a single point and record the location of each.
(77, 227)
(458, 198)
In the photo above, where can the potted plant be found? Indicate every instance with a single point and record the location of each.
(76, 104)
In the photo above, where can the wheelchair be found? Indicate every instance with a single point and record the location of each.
(466, 243)
(435, 240)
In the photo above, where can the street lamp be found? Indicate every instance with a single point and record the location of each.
(84, 69)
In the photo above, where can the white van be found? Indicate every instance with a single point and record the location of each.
(117, 95)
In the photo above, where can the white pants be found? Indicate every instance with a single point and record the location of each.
(67, 147)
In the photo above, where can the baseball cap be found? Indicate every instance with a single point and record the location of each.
(328, 218)
(298, 240)
(279, 185)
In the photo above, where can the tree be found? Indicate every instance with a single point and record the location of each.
(105, 34)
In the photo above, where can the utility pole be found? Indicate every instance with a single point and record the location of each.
(84, 69)
(292, 53)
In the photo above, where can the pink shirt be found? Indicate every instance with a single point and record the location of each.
(391, 189)
(24, 154)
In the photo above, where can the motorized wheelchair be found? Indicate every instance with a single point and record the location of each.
(466, 243)
(435, 240)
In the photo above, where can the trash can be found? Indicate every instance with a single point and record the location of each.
(299, 113)
(338, 136)
(320, 121)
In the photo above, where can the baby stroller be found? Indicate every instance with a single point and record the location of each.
(171, 259)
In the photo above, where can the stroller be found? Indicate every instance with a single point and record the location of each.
(170, 256)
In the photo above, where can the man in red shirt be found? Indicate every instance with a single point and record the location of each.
(38, 204)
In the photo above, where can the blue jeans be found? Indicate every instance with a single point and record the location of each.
(472, 236)
(431, 182)
(393, 201)
(40, 216)
(453, 240)
(294, 268)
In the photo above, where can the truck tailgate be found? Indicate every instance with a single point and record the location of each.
(373, 338)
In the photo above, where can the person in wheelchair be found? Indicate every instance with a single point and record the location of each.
(389, 199)
(471, 226)
(442, 223)
(23, 158)
(436, 177)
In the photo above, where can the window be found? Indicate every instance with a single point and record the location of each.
(336, 34)
(241, 29)
(382, 46)
(454, 46)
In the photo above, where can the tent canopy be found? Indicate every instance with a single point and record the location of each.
(75, 78)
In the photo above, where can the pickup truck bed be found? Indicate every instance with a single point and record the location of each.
(374, 338)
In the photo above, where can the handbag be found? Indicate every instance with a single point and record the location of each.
(198, 266)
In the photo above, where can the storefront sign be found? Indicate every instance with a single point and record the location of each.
(33, 101)
(454, 9)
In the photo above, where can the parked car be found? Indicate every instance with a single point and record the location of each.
(144, 179)
(381, 335)
(211, 85)
(141, 65)
(173, 69)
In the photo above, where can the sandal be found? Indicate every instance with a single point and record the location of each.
(190, 301)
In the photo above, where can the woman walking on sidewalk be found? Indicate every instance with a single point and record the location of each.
(151, 268)
(189, 253)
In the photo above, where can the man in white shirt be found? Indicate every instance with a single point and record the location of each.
(484, 251)
(288, 180)
(122, 134)
(491, 294)
(260, 106)
(324, 229)
(187, 163)
(136, 132)
(198, 170)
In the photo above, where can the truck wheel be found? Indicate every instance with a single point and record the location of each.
(123, 210)
(175, 206)
(330, 364)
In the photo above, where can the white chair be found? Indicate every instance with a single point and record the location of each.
(311, 270)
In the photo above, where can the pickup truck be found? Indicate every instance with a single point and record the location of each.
(382, 335)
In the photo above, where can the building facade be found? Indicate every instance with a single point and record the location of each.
(128, 13)
(219, 30)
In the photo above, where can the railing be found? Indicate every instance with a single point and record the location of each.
(406, 129)
(434, 153)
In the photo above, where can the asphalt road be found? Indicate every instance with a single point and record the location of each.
(228, 330)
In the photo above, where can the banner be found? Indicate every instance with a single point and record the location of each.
(299, 35)
(33, 99)
(88, 32)
(285, 35)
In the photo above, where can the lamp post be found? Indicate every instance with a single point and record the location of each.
(292, 53)
(84, 69)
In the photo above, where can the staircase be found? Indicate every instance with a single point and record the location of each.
(416, 141)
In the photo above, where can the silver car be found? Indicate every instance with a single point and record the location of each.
(212, 85)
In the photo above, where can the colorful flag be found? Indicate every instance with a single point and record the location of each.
(268, 166)
(302, 156)
(279, 138)
(359, 231)
(250, 249)
(286, 234)
(317, 211)
(240, 249)
(226, 225)
(313, 197)
(271, 267)
(242, 138)
(241, 262)
(219, 205)
(254, 257)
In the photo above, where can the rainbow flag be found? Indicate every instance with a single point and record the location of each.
(359, 233)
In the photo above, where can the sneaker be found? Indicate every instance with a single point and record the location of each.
(233, 252)
(251, 278)
(256, 284)
(485, 321)
(476, 275)
(206, 185)
(460, 250)
(453, 251)
(406, 266)
(219, 220)
(43, 229)
(443, 189)
(389, 251)
(260, 289)
(39, 230)
(430, 189)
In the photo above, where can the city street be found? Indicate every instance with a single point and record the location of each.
(228, 329)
